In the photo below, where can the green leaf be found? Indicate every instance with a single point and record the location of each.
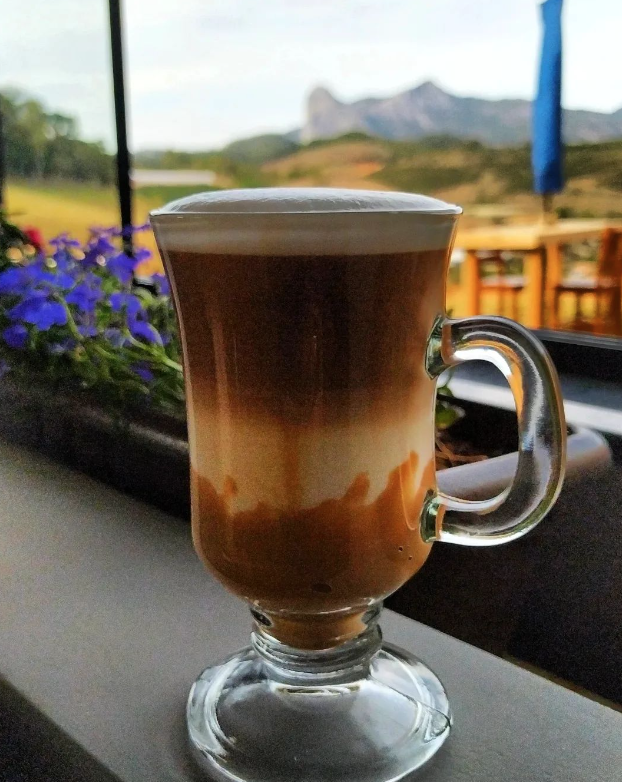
(447, 415)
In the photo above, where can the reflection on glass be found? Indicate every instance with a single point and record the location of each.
(568, 277)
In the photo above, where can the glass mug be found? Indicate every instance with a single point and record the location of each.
(313, 328)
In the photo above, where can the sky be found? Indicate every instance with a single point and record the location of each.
(201, 73)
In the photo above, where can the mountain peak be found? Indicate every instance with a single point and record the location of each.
(429, 88)
(428, 110)
(321, 98)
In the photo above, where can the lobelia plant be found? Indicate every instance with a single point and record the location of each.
(75, 319)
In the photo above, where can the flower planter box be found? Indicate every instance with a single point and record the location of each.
(144, 454)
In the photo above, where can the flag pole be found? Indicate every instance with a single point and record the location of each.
(548, 214)
(123, 162)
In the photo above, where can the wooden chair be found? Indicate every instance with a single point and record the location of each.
(507, 286)
(606, 286)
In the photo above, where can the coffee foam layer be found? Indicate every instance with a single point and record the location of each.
(304, 221)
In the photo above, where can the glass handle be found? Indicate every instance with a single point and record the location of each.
(541, 432)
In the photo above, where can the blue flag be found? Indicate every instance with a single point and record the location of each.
(546, 155)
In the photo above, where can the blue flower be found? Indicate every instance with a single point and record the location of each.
(40, 312)
(139, 329)
(128, 230)
(85, 295)
(5, 368)
(143, 371)
(41, 274)
(14, 280)
(90, 260)
(131, 229)
(88, 330)
(161, 283)
(61, 280)
(122, 266)
(141, 254)
(37, 273)
(64, 259)
(102, 243)
(63, 240)
(16, 336)
(27, 305)
(116, 337)
(125, 301)
(98, 247)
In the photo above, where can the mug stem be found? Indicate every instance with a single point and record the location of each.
(346, 662)
(361, 711)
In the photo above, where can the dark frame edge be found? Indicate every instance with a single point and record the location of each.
(584, 355)
(124, 186)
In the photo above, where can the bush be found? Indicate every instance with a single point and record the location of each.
(613, 180)
(426, 178)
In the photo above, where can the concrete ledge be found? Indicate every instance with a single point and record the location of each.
(107, 617)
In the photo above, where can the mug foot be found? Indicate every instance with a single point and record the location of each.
(248, 725)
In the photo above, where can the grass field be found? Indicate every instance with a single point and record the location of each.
(54, 208)
(72, 207)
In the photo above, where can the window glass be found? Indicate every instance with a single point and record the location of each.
(56, 92)
(398, 95)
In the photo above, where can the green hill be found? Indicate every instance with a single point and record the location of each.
(260, 149)
(467, 172)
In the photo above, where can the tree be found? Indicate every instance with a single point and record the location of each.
(45, 145)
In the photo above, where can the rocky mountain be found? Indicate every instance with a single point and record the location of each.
(428, 110)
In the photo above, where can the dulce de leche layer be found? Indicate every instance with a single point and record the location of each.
(340, 556)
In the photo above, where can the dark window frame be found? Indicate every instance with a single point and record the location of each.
(597, 358)
(123, 161)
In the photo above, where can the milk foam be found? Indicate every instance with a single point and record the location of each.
(304, 221)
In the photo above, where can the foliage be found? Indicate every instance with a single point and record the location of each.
(238, 172)
(346, 138)
(613, 180)
(16, 243)
(439, 162)
(44, 145)
(75, 319)
(428, 164)
(426, 179)
(260, 149)
(512, 165)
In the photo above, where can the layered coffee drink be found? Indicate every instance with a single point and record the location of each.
(305, 320)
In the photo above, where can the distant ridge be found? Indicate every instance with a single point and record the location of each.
(428, 110)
